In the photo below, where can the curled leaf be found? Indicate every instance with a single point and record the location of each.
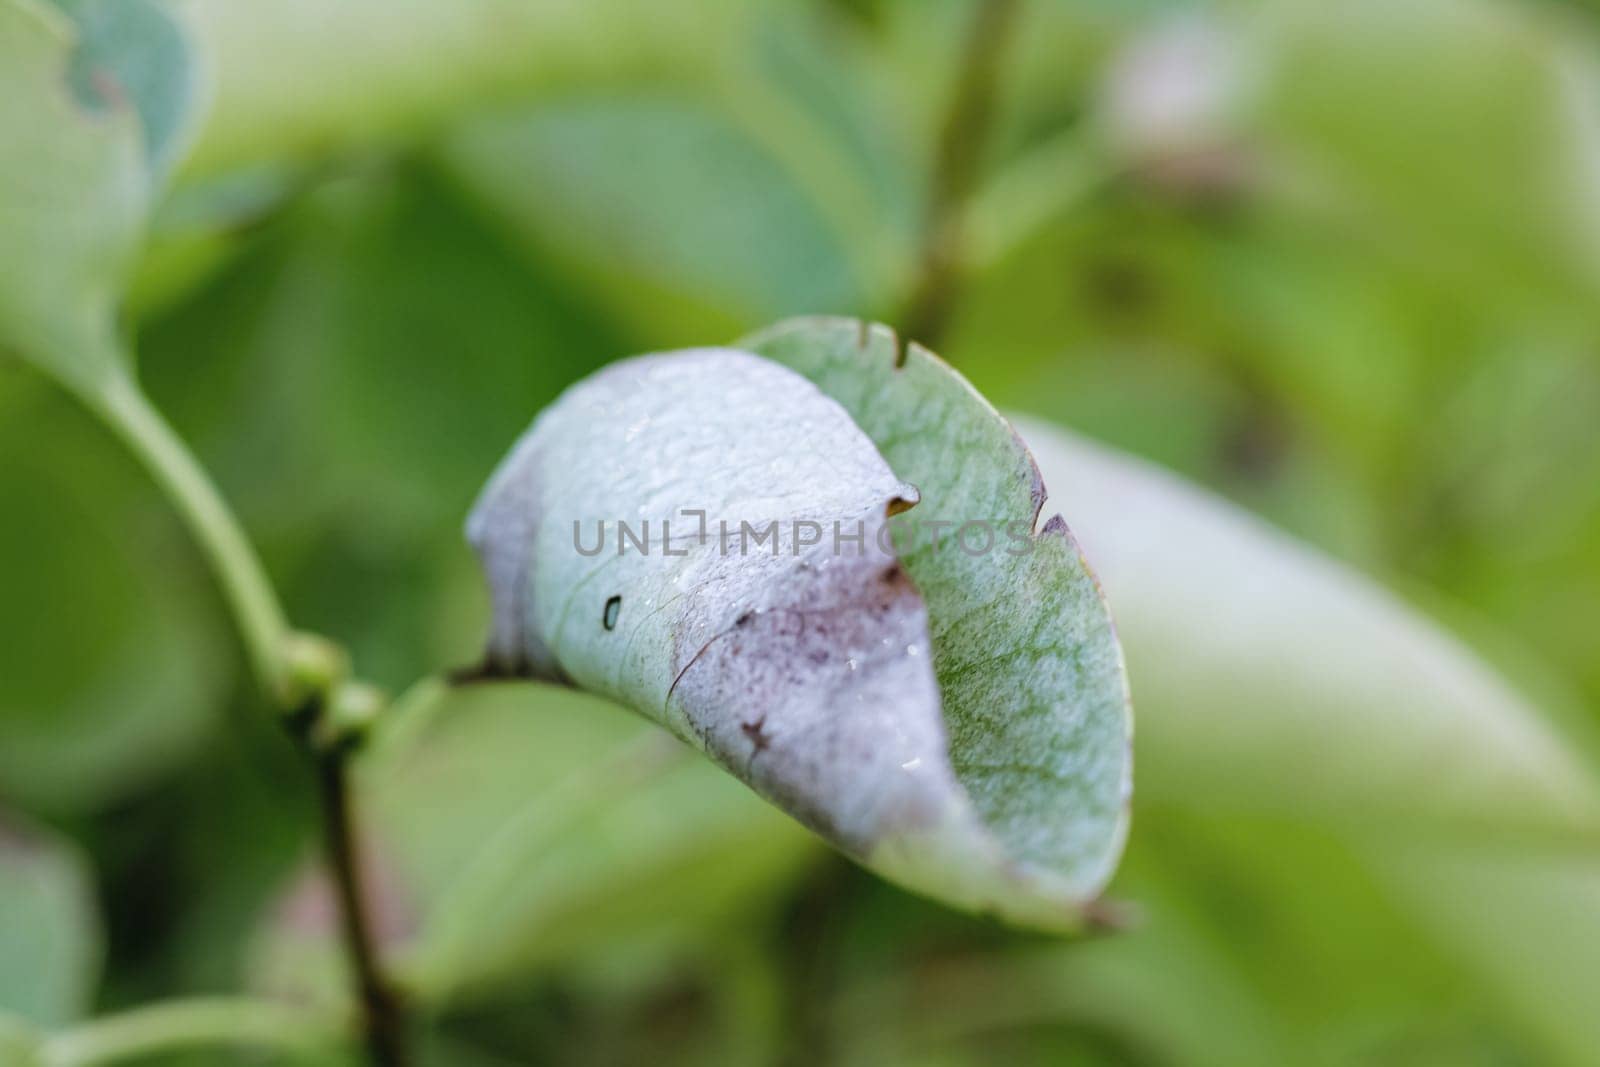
(1029, 666)
(705, 536)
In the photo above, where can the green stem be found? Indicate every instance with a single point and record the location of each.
(962, 139)
(186, 1025)
(301, 678)
(238, 570)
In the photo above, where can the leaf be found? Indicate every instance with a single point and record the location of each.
(20, 1044)
(576, 831)
(308, 377)
(1447, 130)
(1353, 709)
(803, 664)
(1026, 656)
(191, 1031)
(112, 660)
(666, 203)
(1394, 817)
(1519, 917)
(131, 53)
(90, 110)
(367, 70)
(50, 943)
(1355, 843)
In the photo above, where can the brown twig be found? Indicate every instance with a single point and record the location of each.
(383, 1020)
(955, 172)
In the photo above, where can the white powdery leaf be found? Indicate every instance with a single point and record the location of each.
(620, 541)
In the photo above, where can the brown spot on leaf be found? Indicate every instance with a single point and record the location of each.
(757, 733)
(107, 89)
(1111, 916)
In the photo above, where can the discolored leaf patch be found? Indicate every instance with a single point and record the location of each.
(1029, 668)
(705, 536)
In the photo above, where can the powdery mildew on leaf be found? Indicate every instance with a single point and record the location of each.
(752, 655)
(1034, 691)
(804, 669)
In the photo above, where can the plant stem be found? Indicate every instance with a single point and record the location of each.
(186, 1025)
(955, 172)
(244, 581)
(265, 633)
(383, 1020)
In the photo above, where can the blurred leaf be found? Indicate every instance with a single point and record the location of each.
(1518, 916)
(574, 830)
(192, 1032)
(110, 650)
(1444, 127)
(20, 1044)
(1364, 853)
(374, 70)
(681, 217)
(131, 53)
(49, 930)
(348, 378)
(1394, 723)
(716, 999)
(202, 226)
(1305, 742)
(1249, 940)
(90, 107)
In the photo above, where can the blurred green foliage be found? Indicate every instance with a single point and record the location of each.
(1338, 262)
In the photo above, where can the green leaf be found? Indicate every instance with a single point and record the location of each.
(113, 664)
(309, 377)
(429, 62)
(20, 1044)
(89, 111)
(177, 1033)
(575, 831)
(1358, 711)
(1026, 656)
(974, 748)
(670, 206)
(131, 53)
(1333, 788)
(1330, 788)
(49, 928)
(1446, 133)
